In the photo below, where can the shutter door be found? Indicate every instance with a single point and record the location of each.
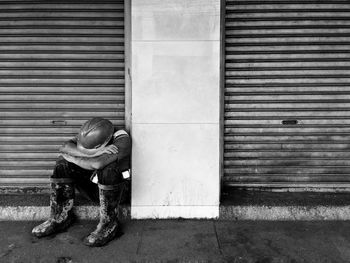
(61, 63)
(287, 93)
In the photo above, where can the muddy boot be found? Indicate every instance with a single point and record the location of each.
(61, 204)
(109, 226)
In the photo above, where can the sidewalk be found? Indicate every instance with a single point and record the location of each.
(184, 241)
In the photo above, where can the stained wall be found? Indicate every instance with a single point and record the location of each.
(175, 47)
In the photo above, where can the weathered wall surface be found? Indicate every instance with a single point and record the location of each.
(175, 108)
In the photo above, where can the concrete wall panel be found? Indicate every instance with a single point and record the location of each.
(175, 108)
(176, 20)
(177, 82)
(172, 172)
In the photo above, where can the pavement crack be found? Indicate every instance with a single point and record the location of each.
(8, 251)
(140, 241)
(217, 238)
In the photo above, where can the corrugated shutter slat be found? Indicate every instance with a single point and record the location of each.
(287, 93)
(61, 63)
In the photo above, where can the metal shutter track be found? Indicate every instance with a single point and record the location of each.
(61, 63)
(287, 93)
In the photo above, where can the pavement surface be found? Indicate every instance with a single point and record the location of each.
(184, 241)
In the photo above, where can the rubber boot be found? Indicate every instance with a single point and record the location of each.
(61, 204)
(108, 226)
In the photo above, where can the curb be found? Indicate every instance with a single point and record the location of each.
(285, 213)
(38, 213)
(228, 212)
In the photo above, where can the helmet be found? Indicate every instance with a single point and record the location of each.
(95, 133)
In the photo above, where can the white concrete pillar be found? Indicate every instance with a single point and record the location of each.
(175, 47)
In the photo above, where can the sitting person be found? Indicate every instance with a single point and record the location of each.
(93, 162)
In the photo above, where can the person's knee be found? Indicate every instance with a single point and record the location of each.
(62, 169)
(110, 174)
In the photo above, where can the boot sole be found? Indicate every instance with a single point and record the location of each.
(118, 233)
(59, 229)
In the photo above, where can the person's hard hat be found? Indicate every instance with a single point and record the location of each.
(95, 133)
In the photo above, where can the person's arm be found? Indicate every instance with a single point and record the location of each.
(71, 148)
(91, 163)
(123, 144)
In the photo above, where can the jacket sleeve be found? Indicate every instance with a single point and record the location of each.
(123, 142)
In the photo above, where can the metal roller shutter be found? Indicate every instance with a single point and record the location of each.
(287, 93)
(61, 63)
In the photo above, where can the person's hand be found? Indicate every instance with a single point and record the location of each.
(110, 149)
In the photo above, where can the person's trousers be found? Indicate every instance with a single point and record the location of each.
(110, 177)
